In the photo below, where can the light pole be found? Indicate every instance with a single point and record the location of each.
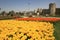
(28, 4)
(0, 8)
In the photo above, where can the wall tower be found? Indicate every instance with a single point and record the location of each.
(52, 9)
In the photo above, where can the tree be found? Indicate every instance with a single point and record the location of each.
(3, 13)
(11, 13)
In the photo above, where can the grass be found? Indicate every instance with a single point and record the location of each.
(57, 30)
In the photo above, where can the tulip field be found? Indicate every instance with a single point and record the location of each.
(29, 29)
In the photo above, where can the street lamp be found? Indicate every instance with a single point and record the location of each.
(0, 8)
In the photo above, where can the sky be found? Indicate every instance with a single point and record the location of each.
(23, 5)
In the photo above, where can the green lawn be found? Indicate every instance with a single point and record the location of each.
(57, 30)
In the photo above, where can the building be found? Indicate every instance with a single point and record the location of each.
(45, 11)
(52, 9)
(57, 11)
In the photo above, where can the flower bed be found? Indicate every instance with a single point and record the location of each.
(40, 19)
(26, 30)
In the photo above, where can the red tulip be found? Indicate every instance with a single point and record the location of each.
(40, 19)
